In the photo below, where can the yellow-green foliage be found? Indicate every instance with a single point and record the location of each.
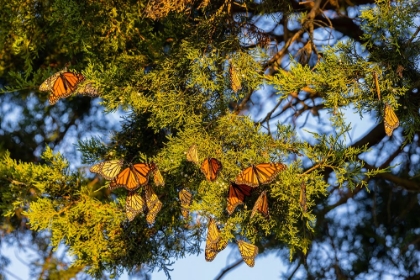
(173, 77)
(98, 235)
(89, 227)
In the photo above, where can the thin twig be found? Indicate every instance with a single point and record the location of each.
(226, 270)
(11, 274)
(414, 36)
(242, 105)
(294, 270)
(268, 116)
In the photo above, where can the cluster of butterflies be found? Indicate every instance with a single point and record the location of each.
(64, 83)
(249, 179)
(132, 178)
(214, 245)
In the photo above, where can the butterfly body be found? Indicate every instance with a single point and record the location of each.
(263, 173)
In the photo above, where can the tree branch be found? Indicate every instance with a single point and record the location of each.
(226, 270)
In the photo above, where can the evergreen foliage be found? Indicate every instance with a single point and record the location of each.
(166, 67)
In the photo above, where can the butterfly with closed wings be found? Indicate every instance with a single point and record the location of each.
(153, 204)
(236, 196)
(158, 178)
(213, 243)
(261, 205)
(134, 205)
(192, 154)
(211, 168)
(248, 252)
(185, 197)
(391, 121)
(235, 81)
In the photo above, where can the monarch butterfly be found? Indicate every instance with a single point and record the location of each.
(262, 173)
(213, 243)
(302, 197)
(235, 81)
(185, 197)
(192, 154)
(108, 169)
(391, 121)
(134, 205)
(211, 167)
(158, 178)
(153, 204)
(61, 85)
(248, 252)
(261, 205)
(236, 196)
(133, 177)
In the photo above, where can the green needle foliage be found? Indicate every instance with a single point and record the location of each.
(166, 68)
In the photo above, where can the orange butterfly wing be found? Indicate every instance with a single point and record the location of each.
(154, 205)
(391, 121)
(108, 169)
(236, 196)
(247, 177)
(158, 178)
(213, 243)
(134, 205)
(192, 154)
(261, 205)
(262, 173)
(211, 168)
(248, 252)
(267, 172)
(185, 197)
(133, 177)
(65, 84)
(126, 179)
